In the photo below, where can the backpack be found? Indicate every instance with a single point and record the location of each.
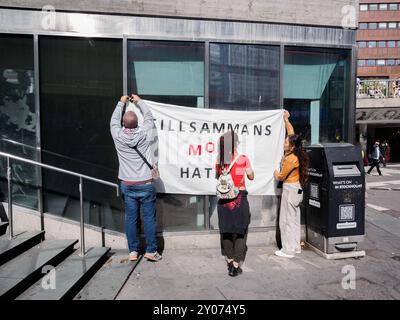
(226, 189)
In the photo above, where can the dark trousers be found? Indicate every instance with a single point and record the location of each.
(234, 246)
(375, 163)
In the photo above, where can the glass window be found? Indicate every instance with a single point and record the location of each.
(398, 44)
(316, 92)
(391, 44)
(372, 25)
(380, 62)
(80, 83)
(363, 7)
(382, 44)
(382, 25)
(180, 212)
(398, 62)
(171, 72)
(392, 25)
(244, 77)
(363, 25)
(383, 6)
(361, 63)
(18, 118)
(362, 44)
(371, 44)
(373, 7)
(393, 6)
(390, 62)
(167, 72)
(371, 63)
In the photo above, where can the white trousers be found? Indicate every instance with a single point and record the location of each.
(289, 218)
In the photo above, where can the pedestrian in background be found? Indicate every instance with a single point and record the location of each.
(385, 152)
(375, 155)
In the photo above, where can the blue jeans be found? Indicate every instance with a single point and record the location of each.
(135, 197)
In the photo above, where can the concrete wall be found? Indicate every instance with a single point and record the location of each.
(309, 12)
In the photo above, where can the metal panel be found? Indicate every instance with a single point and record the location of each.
(207, 105)
(125, 65)
(281, 75)
(39, 170)
(95, 25)
(351, 123)
(207, 74)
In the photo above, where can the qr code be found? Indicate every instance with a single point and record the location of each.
(314, 192)
(346, 212)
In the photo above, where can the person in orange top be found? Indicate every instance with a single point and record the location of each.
(294, 174)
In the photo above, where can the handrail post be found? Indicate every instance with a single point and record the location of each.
(10, 211)
(82, 253)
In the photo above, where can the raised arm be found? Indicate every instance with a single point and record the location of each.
(288, 125)
(115, 122)
(148, 120)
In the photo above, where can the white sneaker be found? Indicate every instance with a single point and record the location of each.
(153, 256)
(133, 256)
(298, 251)
(280, 253)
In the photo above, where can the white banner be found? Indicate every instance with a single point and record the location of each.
(188, 146)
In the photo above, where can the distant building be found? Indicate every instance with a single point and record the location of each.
(378, 71)
(378, 39)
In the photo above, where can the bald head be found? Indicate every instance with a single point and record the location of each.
(130, 120)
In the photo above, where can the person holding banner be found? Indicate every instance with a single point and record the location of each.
(234, 214)
(132, 143)
(294, 175)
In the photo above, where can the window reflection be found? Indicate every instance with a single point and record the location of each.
(167, 72)
(244, 77)
(316, 92)
(18, 117)
(80, 84)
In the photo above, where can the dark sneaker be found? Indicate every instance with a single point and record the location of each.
(230, 266)
(155, 256)
(235, 271)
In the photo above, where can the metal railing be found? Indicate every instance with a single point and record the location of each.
(46, 166)
(379, 88)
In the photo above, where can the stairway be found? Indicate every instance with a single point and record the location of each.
(25, 259)
(109, 280)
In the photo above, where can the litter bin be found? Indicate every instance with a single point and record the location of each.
(335, 200)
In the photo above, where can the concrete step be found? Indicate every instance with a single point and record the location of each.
(70, 276)
(22, 242)
(3, 227)
(23, 271)
(108, 281)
